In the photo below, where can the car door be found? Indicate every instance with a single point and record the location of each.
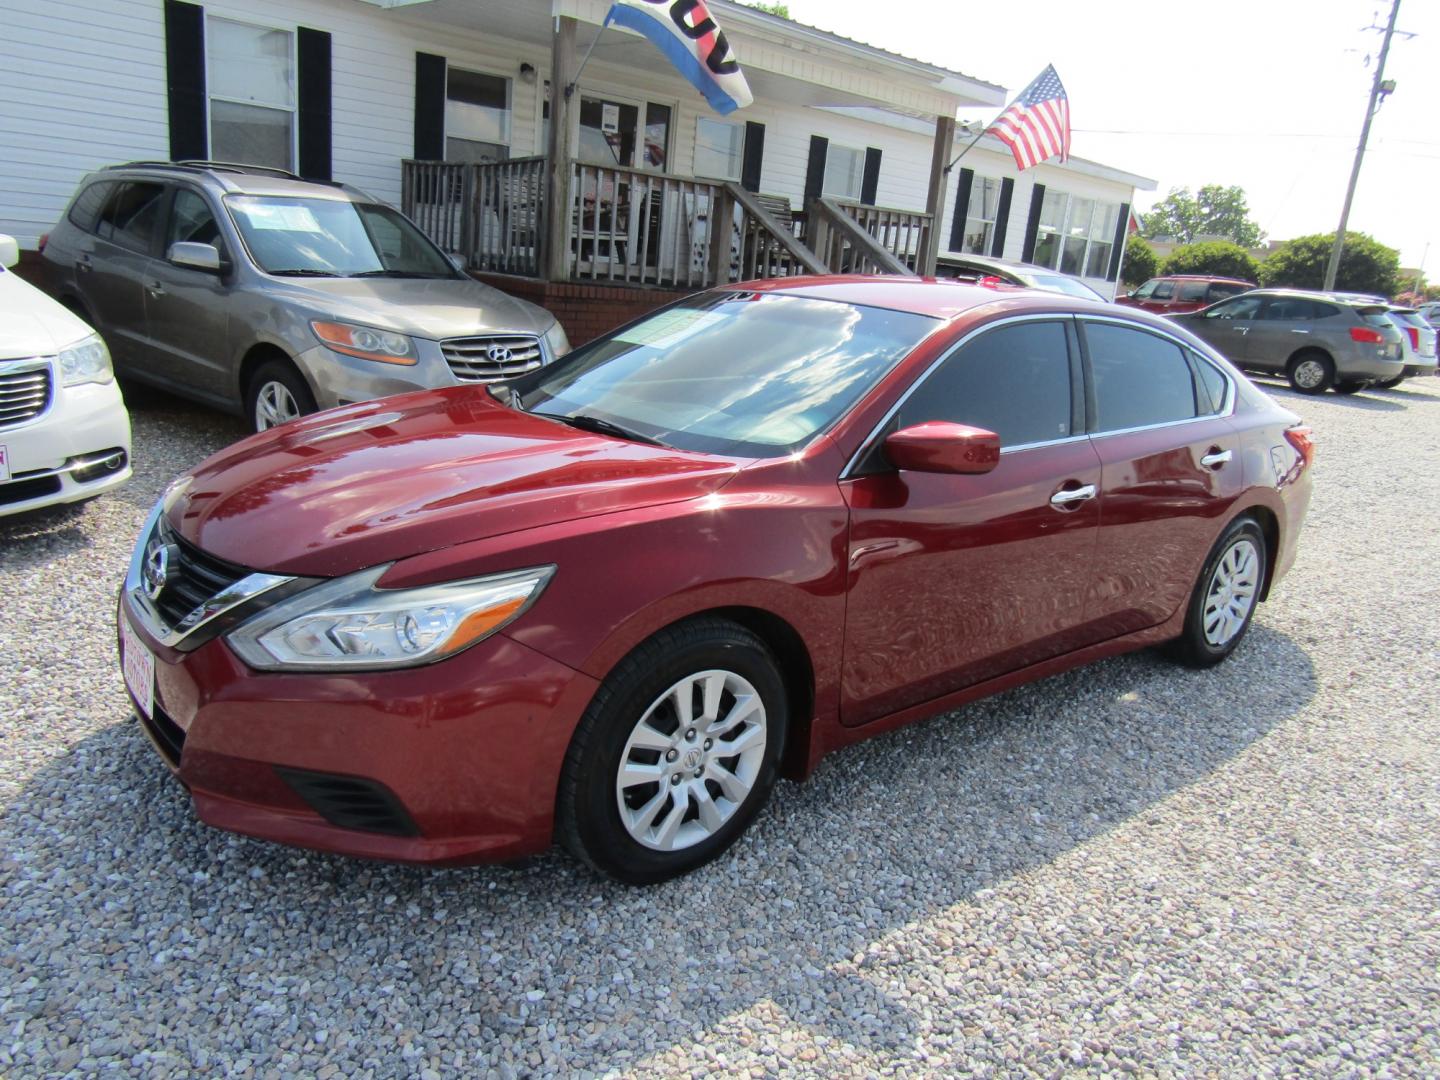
(1170, 470)
(1227, 326)
(1160, 296)
(109, 275)
(957, 579)
(1286, 323)
(188, 328)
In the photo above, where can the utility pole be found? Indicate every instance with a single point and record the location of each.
(1377, 91)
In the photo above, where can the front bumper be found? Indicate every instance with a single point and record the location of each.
(77, 449)
(465, 753)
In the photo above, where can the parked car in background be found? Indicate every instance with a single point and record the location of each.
(257, 292)
(1430, 313)
(983, 267)
(608, 601)
(1183, 292)
(64, 432)
(1417, 341)
(1317, 341)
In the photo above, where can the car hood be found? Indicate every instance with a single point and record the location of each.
(31, 324)
(384, 480)
(424, 307)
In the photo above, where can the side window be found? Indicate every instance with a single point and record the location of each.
(1164, 290)
(1247, 307)
(1014, 381)
(1144, 291)
(1192, 290)
(1322, 311)
(1212, 383)
(86, 207)
(191, 221)
(1220, 290)
(129, 219)
(1140, 378)
(1297, 308)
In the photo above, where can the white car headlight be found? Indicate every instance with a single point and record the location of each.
(87, 361)
(556, 341)
(348, 624)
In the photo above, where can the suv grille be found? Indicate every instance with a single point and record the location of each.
(24, 394)
(197, 578)
(486, 359)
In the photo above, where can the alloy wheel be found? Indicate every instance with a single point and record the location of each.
(1232, 592)
(1309, 374)
(692, 760)
(274, 404)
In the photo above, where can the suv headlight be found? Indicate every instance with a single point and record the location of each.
(556, 341)
(348, 624)
(87, 361)
(366, 342)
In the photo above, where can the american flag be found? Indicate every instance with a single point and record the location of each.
(1036, 126)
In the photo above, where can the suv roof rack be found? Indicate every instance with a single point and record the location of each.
(196, 165)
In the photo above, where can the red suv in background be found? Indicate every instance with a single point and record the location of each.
(1183, 292)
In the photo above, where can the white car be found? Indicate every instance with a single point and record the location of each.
(64, 431)
(1418, 340)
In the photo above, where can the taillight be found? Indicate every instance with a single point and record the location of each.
(1366, 336)
(1414, 333)
(44, 239)
(1300, 438)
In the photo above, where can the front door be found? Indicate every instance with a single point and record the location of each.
(1228, 327)
(1171, 469)
(1283, 326)
(958, 579)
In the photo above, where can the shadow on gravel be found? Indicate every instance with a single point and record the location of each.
(129, 892)
(1370, 400)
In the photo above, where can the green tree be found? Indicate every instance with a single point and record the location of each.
(1366, 265)
(1218, 257)
(1141, 262)
(1212, 211)
(783, 10)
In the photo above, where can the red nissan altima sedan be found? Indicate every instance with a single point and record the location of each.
(610, 601)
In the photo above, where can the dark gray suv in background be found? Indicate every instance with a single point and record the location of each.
(260, 293)
(1319, 341)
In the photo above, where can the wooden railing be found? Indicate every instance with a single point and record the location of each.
(852, 238)
(492, 214)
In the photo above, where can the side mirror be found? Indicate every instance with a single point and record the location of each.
(204, 257)
(9, 251)
(939, 446)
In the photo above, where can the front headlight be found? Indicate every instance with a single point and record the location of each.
(348, 624)
(87, 361)
(557, 342)
(366, 342)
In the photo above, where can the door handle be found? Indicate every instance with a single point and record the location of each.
(82, 264)
(1216, 457)
(1062, 499)
(1295, 331)
(155, 288)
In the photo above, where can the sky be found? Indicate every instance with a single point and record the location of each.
(1269, 95)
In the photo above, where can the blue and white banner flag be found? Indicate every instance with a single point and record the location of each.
(686, 32)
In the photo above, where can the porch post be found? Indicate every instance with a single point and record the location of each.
(560, 153)
(935, 194)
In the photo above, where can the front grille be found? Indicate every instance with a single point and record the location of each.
(24, 394)
(196, 577)
(351, 802)
(486, 359)
(166, 734)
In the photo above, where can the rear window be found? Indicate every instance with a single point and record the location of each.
(86, 207)
(1140, 378)
(130, 218)
(1221, 289)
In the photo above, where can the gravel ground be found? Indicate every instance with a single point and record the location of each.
(1126, 868)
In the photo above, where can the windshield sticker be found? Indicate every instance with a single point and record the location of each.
(669, 327)
(285, 217)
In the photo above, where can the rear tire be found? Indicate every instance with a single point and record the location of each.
(1225, 597)
(1349, 387)
(1310, 372)
(702, 707)
(277, 393)
(1390, 384)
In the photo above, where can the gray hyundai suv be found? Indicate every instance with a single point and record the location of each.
(1318, 341)
(260, 293)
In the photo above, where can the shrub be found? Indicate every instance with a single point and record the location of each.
(1216, 257)
(1141, 262)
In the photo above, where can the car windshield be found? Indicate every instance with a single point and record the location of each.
(751, 374)
(334, 238)
(1061, 284)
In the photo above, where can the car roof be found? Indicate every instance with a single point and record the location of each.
(1202, 277)
(940, 298)
(239, 179)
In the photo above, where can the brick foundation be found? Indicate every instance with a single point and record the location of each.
(585, 311)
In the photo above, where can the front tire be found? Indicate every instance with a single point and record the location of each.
(1310, 372)
(676, 754)
(1225, 596)
(277, 393)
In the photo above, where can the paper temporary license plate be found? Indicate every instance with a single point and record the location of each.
(138, 664)
(4, 465)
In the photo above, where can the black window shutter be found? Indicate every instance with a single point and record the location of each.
(815, 168)
(1032, 228)
(870, 182)
(313, 49)
(962, 209)
(1122, 232)
(185, 80)
(754, 153)
(429, 107)
(1002, 217)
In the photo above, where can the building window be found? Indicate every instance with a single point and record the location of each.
(477, 116)
(719, 149)
(252, 93)
(1076, 235)
(844, 172)
(980, 216)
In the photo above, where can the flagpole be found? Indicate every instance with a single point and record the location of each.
(570, 87)
(971, 144)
